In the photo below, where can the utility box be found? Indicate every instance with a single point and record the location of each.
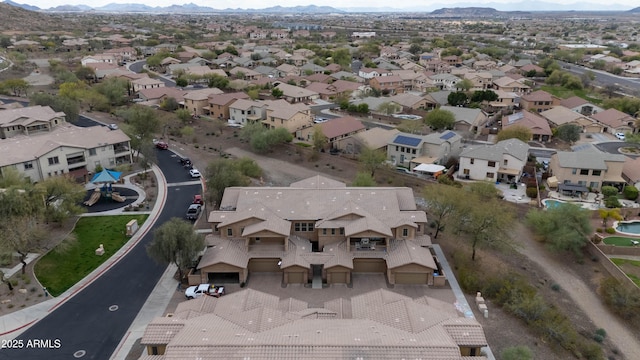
(132, 227)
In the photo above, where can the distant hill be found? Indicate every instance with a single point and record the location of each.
(70, 8)
(635, 10)
(466, 12)
(23, 6)
(193, 9)
(19, 19)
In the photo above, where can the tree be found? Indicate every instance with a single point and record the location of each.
(342, 57)
(610, 90)
(182, 81)
(319, 138)
(95, 101)
(85, 73)
(606, 214)
(564, 227)
(17, 86)
(58, 103)
(61, 197)
(569, 133)
(217, 81)
(266, 139)
(176, 242)
(388, 108)
(464, 85)
(184, 115)
(515, 132)
(484, 95)
(440, 119)
(149, 155)
(115, 89)
(221, 174)
(457, 98)
(483, 219)
(170, 104)
(371, 159)
(277, 93)
(72, 90)
(143, 123)
(443, 201)
(363, 179)
(22, 235)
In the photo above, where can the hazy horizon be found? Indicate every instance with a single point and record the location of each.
(338, 4)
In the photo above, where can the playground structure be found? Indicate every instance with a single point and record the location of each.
(107, 178)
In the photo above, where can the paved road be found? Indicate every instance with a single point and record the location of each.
(95, 320)
(139, 65)
(613, 146)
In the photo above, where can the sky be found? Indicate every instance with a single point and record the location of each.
(338, 4)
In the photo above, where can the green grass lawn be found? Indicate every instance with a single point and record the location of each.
(618, 241)
(619, 262)
(71, 261)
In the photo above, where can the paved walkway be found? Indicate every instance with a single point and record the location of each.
(13, 324)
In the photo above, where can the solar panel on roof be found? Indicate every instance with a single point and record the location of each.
(408, 141)
(448, 135)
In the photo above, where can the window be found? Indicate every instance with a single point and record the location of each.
(324, 231)
(584, 171)
(466, 171)
(229, 232)
(490, 175)
(54, 160)
(594, 184)
(296, 226)
(28, 165)
(471, 161)
(341, 231)
(303, 227)
(310, 226)
(92, 152)
(333, 231)
(492, 164)
(574, 171)
(405, 232)
(505, 162)
(596, 172)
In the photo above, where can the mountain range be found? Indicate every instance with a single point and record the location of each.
(437, 9)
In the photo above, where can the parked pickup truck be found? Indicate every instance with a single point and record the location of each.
(197, 291)
(193, 212)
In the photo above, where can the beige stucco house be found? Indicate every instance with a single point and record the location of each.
(589, 168)
(502, 161)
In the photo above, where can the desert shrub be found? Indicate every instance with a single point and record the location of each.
(516, 353)
(598, 230)
(610, 230)
(609, 191)
(601, 332)
(555, 287)
(612, 202)
(630, 192)
(621, 300)
(532, 192)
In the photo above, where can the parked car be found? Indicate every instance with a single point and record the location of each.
(113, 126)
(620, 136)
(185, 161)
(197, 291)
(195, 173)
(162, 145)
(193, 212)
(197, 199)
(320, 120)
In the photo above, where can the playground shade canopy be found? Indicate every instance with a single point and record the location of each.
(106, 176)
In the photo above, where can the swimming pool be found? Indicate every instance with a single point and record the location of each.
(554, 203)
(628, 227)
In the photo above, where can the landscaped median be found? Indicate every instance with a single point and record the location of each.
(75, 257)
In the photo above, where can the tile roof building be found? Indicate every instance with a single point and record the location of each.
(250, 324)
(39, 143)
(318, 228)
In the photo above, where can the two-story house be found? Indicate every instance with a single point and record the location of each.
(578, 171)
(39, 143)
(247, 111)
(219, 104)
(538, 125)
(410, 150)
(196, 100)
(387, 84)
(502, 161)
(538, 101)
(293, 117)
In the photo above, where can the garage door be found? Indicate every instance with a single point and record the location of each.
(338, 278)
(411, 278)
(369, 265)
(224, 278)
(264, 265)
(296, 277)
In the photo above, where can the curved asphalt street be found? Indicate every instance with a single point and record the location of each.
(94, 320)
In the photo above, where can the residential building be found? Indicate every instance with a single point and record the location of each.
(247, 111)
(219, 104)
(29, 120)
(296, 94)
(379, 324)
(387, 84)
(445, 81)
(560, 115)
(340, 128)
(409, 150)
(331, 233)
(538, 125)
(296, 118)
(48, 146)
(538, 101)
(508, 84)
(615, 121)
(588, 168)
(146, 83)
(467, 119)
(370, 73)
(375, 138)
(502, 161)
(196, 100)
(581, 106)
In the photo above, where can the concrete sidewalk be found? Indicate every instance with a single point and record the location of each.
(13, 324)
